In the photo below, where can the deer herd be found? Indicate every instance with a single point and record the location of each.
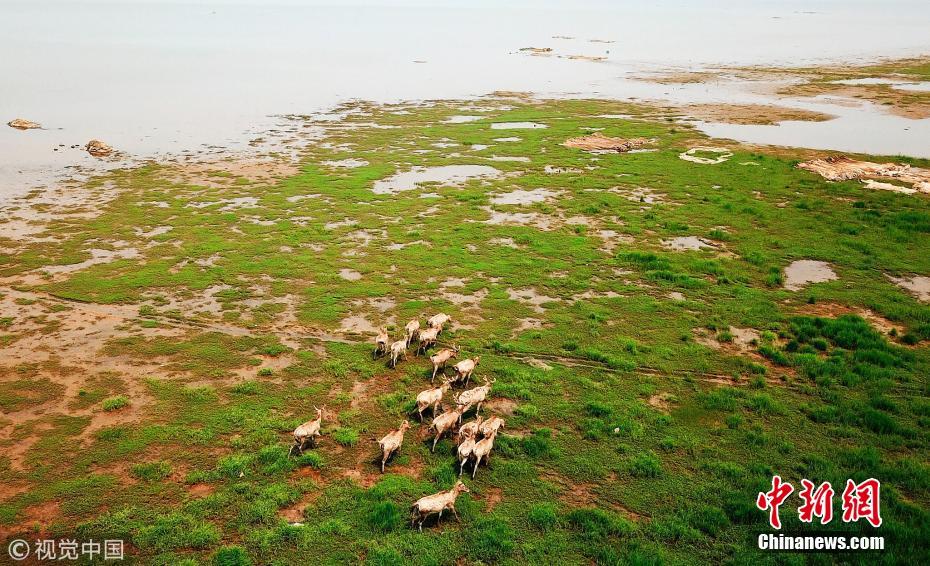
(474, 440)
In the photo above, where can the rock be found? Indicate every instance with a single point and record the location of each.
(98, 149)
(21, 124)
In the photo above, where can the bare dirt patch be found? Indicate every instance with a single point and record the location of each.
(226, 172)
(501, 405)
(661, 401)
(758, 114)
(833, 310)
(599, 143)
(842, 168)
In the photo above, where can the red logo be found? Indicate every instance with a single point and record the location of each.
(860, 501)
(772, 500)
(817, 503)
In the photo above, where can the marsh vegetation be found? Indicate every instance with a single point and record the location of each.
(655, 357)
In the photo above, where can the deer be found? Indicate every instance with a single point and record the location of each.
(307, 432)
(391, 442)
(381, 343)
(398, 350)
(412, 330)
(431, 397)
(464, 452)
(426, 339)
(476, 395)
(491, 426)
(482, 450)
(437, 503)
(444, 422)
(470, 430)
(465, 368)
(440, 358)
(437, 321)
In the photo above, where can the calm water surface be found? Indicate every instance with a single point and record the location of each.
(161, 77)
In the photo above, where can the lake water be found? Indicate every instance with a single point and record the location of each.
(163, 77)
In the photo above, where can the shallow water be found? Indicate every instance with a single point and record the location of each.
(861, 128)
(442, 175)
(803, 272)
(167, 77)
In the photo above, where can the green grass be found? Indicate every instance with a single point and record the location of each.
(628, 439)
(115, 403)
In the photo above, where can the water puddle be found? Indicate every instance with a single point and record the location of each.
(98, 256)
(916, 284)
(350, 274)
(519, 219)
(462, 119)
(860, 127)
(703, 155)
(684, 243)
(521, 197)
(531, 297)
(444, 175)
(461, 299)
(350, 163)
(802, 272)
(923, 86)
(919, 86)
(357, 324)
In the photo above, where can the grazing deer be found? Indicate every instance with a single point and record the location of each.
(445, 422)
(398, 350)
(381, 343)
(307, 432)
(412, 330)
(426, 338)
(431, 397)
(465, 368)
(437, 503)
(470, 430)
(391, 442)
(440, 358)
(482, 450)
(476, 395)
(491, 426)
(437, 321)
